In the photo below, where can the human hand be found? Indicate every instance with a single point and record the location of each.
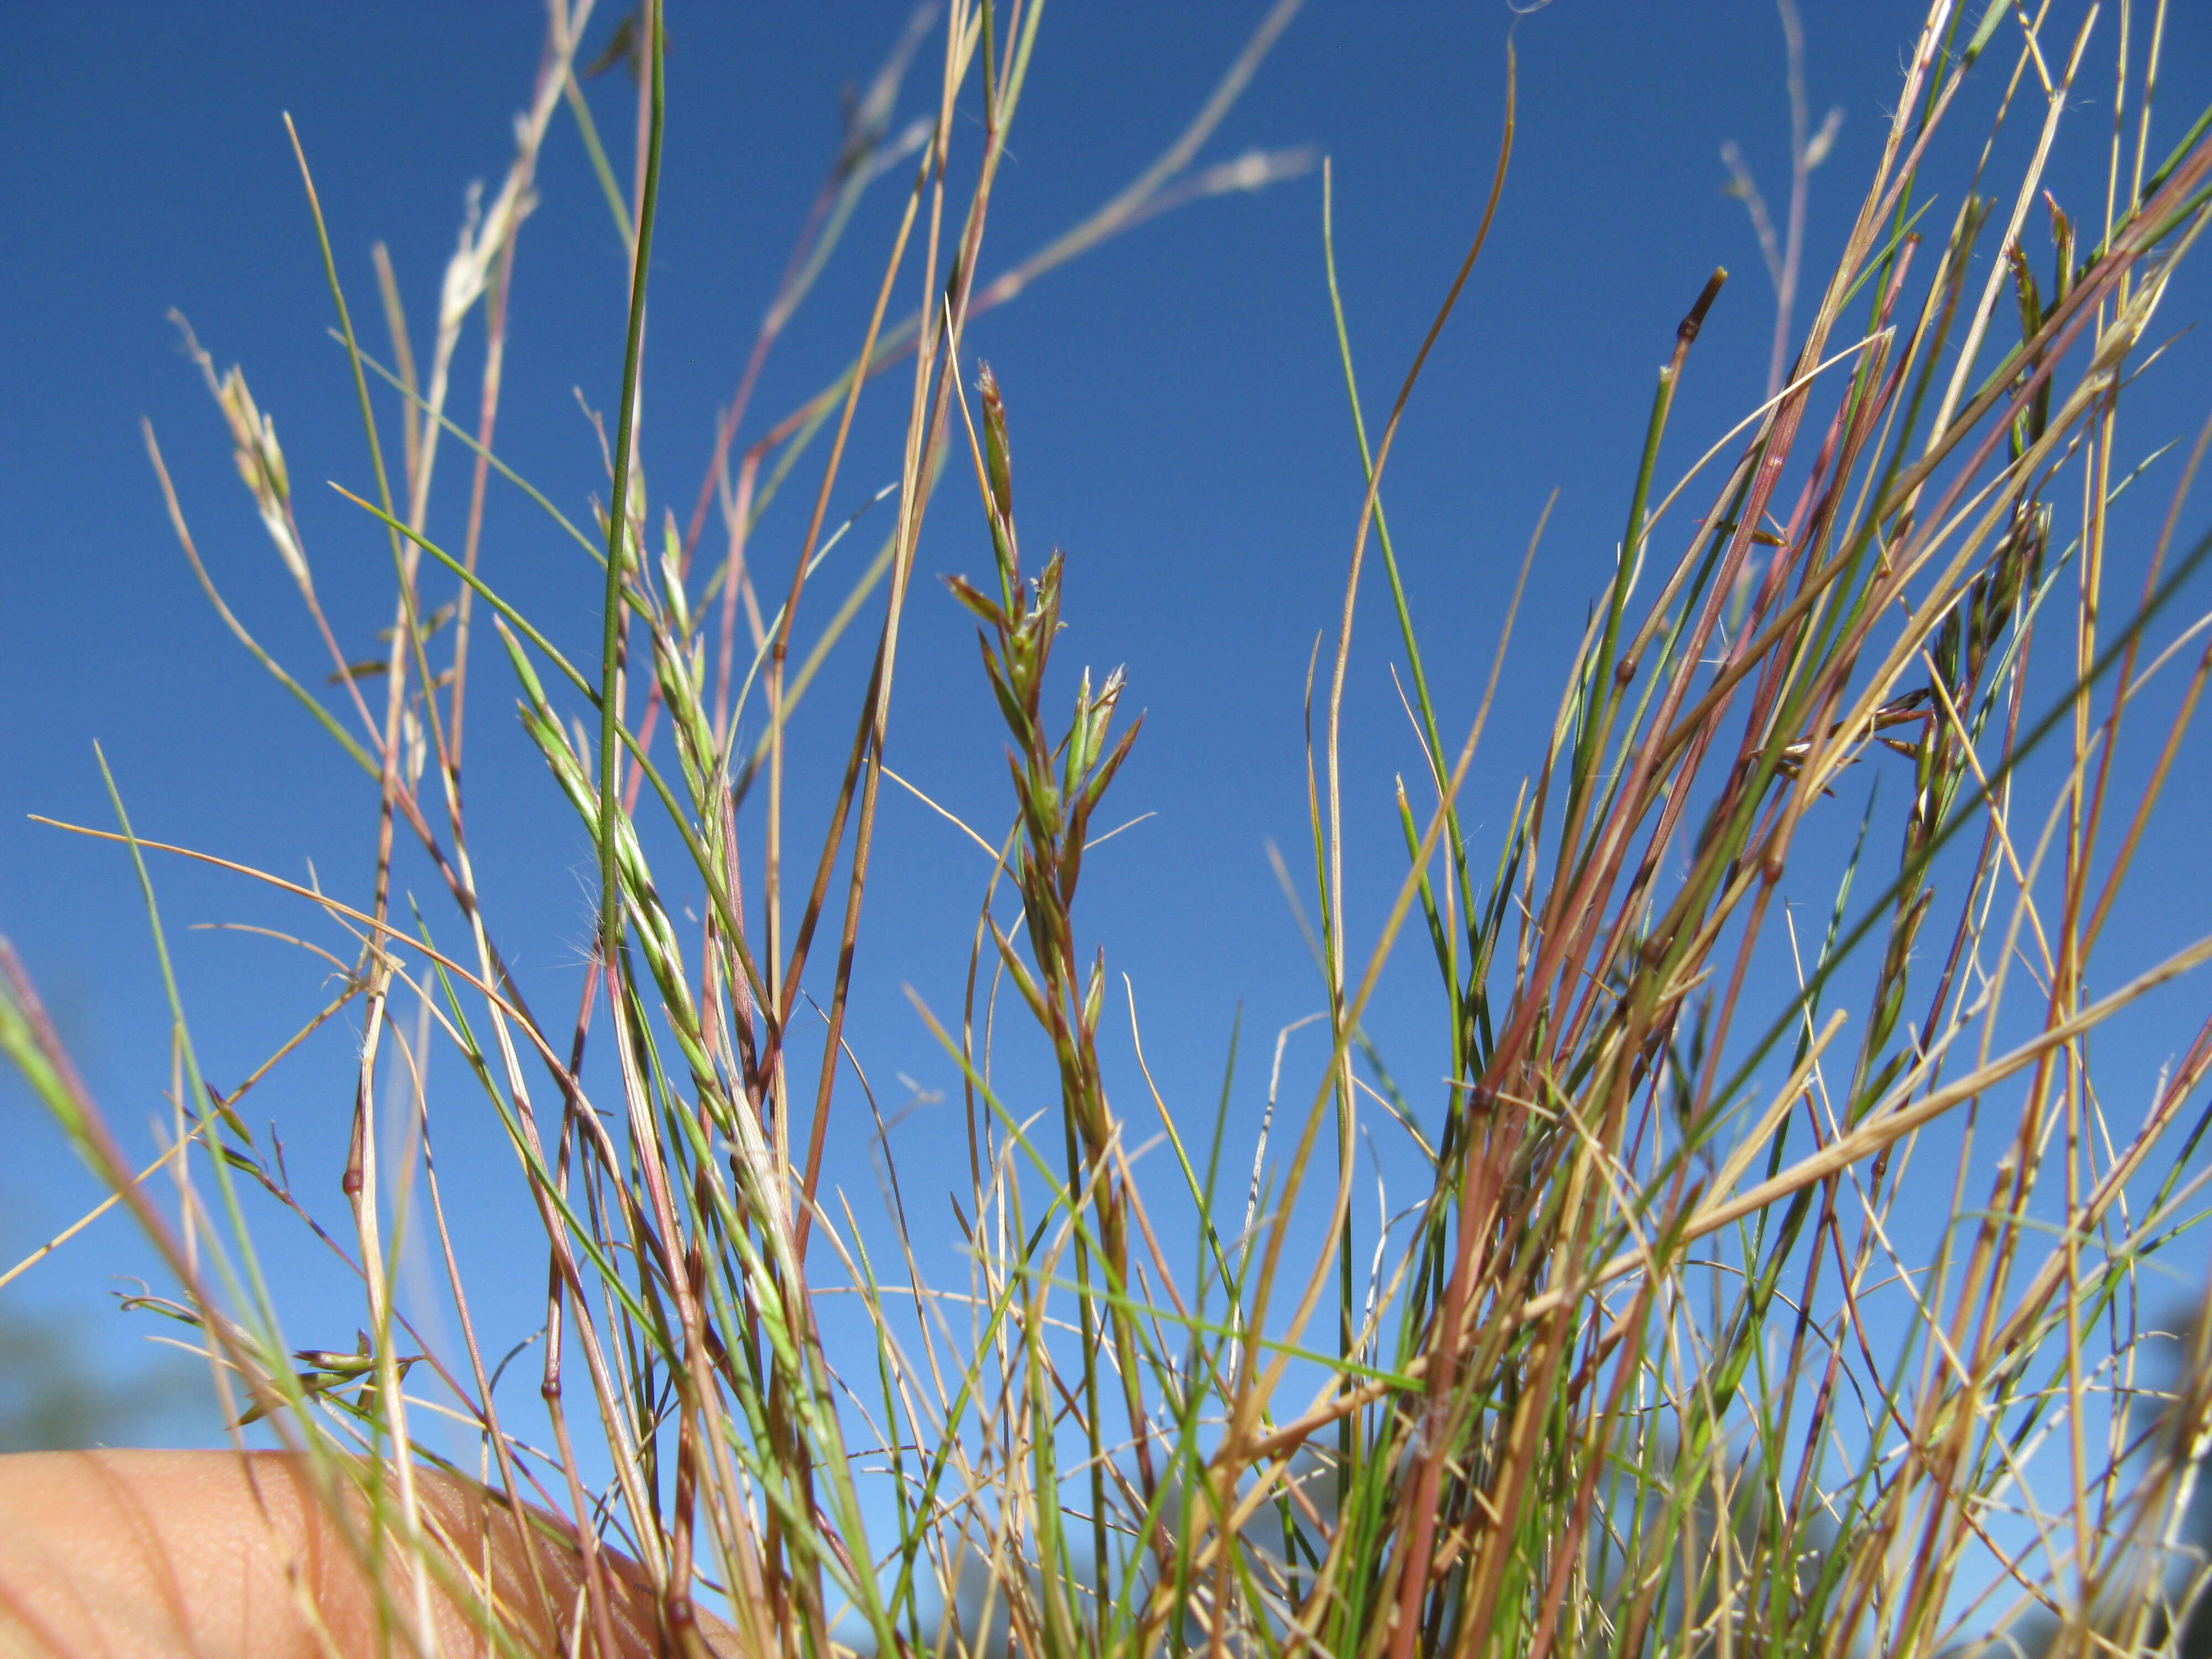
(229, 1555)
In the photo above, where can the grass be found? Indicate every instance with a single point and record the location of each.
(1645, 1371)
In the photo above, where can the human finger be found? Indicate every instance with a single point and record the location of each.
(196, 1555)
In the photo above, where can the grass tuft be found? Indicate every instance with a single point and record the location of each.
(1650, 1361)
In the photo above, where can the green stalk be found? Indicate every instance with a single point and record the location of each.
(613, 615)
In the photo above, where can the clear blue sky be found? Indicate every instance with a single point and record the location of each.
(1179, 423)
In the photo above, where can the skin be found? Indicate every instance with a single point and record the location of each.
(227, 1555)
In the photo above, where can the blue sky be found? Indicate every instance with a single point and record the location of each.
(1179, 424)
